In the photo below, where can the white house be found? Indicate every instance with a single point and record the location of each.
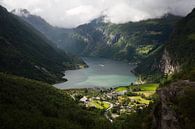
(84, 99)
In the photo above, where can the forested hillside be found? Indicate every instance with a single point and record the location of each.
(31, 104)
(132, 41)
(26, 52)
(177, 57)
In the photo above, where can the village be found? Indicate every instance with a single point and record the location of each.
(115, 101)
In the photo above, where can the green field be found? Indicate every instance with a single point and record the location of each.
(145, 93)
(147, 87)
(119, 89)
(143, 87)
(98, 104)
(140, 100)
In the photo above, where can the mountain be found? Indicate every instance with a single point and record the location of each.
(31, 104)
(60, 37)
(131, 41)
(177, 56)
(26, 52)
(26, 103)
(40, 23)
(174, 65)
(181, 48)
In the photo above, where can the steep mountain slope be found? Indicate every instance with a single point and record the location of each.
(130, 41)
(181, 48)
(26, 52)
(40, 24)
(174, 109)
(30, 104)
(177, 57)
(60, 37)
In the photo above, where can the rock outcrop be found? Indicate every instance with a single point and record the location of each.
(168, 65)
(165, 116)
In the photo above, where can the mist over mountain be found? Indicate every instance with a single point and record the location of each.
(152, 57)
(27, 52)
(130, 41)
(71, 14)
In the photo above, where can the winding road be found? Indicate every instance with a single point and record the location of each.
(107, 110)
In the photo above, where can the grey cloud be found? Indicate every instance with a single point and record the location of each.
(66, 13)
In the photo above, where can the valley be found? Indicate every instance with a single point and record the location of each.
(114, 102)
(135, 42)
(99, 74)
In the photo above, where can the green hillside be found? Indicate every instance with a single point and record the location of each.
(176, 57)
(26, 52)
(132, 41)
(31, 104)
(182, 47)
(62, 38)
(163, 50)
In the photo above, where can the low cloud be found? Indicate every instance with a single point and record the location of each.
(72, 13)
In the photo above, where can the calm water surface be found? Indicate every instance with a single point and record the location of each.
(101, 73)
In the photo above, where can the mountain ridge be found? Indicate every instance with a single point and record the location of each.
(31, 104)
(27, 52)
(98, 38)
(176, 58)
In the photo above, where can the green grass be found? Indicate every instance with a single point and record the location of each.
(143, 87)
(146, 93)
(145, 49)
(140, 100)
(148, 87)
(98, 104)
(120, 89)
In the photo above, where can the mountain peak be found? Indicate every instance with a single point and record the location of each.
(2, 8)
(193, 10)
(192, 14)
(21, 12)
(100, 19)
(3, 11)
(170, 15)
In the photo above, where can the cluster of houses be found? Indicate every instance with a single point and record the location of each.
(118, 108)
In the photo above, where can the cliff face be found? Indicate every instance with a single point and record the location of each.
(171, 111)
(179, 52)
(167, 65)
(176, 56)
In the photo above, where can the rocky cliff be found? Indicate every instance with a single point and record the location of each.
(171, 111)
(167, 65)
(176, 57)
(179, 52)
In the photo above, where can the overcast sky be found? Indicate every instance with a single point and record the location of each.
(71, 13)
